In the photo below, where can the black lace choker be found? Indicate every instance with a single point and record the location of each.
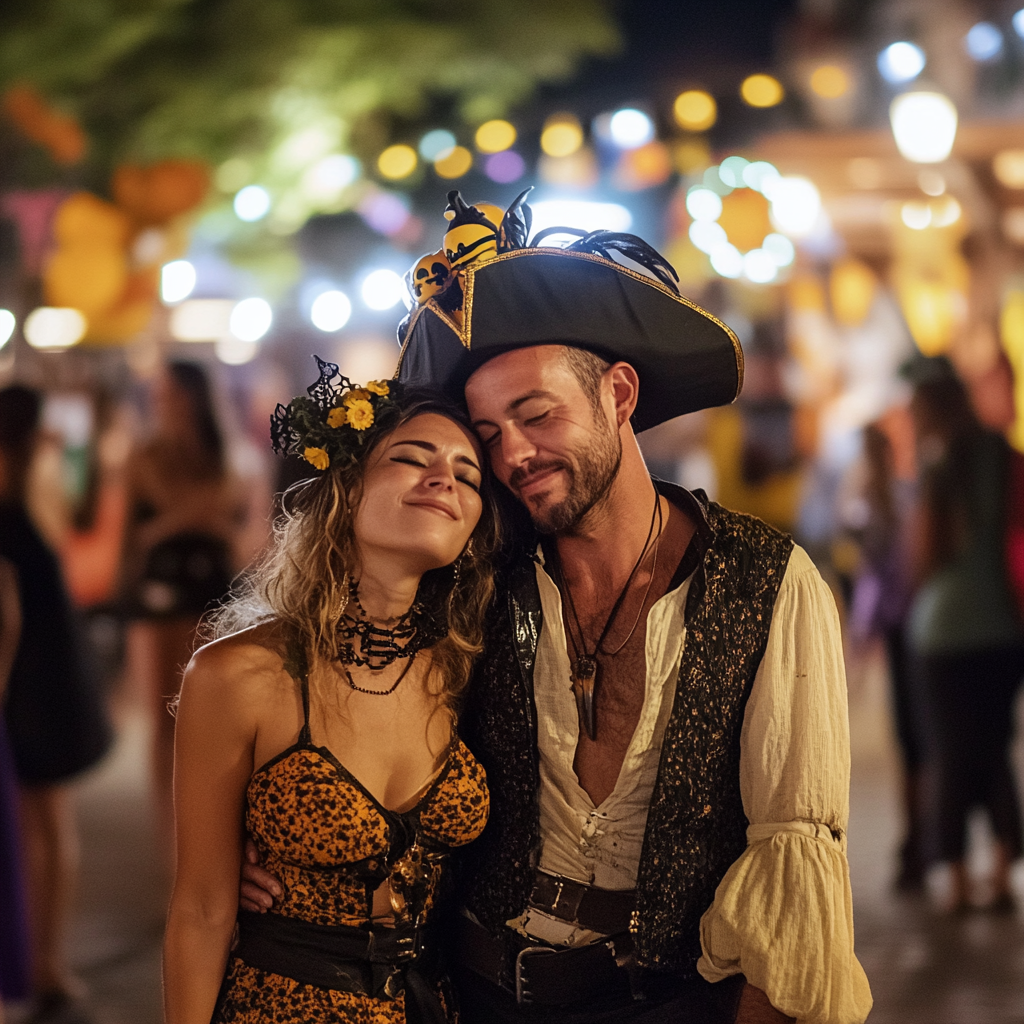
(363, 642)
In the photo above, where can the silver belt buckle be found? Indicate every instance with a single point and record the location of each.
(523, 994)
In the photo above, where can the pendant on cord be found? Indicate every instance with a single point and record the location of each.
(584, 682)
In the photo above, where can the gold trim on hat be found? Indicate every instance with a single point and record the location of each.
(464, 332)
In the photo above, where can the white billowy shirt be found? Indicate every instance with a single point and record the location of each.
(782, 915)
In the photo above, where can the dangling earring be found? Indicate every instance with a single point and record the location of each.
(467, 552)
(346, 586)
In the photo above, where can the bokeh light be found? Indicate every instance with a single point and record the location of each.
(455, 163)
(330, 311)
(780, 248)
(759, 266)
(830, 81)
(385, 212)
(382, 289)
(1018, 23)
(901, 62)
(327, 178)
(727, 261)
(177, 281)
(630, 128)
(251, 319)
(924, 126)
(795, 205)
(695, 110)
(201, 319)
(984, 41)
(495, 136)
(1008, 167)
(252, 203)
(7, 325)
(436, 143)
(54, 327)
(398, 161)
(707, 235)
(731, 169)
(234, 351)
(578, 213)
(703, 204)
(505, 167)
(562, 135)
(762, 91)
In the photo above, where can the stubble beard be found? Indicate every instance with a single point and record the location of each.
(589, 481)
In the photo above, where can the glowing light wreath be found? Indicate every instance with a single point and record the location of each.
(704, 204)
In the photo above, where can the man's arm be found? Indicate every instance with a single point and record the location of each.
(755, 1009)
(782, 914)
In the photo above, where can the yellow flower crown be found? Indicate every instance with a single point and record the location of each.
(331, 426)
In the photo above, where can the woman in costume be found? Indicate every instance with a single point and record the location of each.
(324, 718)
(184, 508)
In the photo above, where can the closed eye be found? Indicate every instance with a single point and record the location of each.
(469, 483)
(408, 462)
(534, 420)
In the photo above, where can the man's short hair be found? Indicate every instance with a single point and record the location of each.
(588, 369)
(20, 408)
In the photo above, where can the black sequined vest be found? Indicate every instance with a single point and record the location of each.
(696, 827)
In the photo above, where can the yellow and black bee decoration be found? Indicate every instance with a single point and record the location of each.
(475, 234)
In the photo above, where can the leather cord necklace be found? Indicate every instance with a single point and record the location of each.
(584, 665)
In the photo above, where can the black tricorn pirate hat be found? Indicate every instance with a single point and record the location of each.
(511, 295)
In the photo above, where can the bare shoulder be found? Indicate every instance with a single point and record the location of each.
(247, 665)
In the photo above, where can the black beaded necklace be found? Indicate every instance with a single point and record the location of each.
(365, 643)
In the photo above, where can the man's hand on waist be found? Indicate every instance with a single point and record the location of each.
(258, 888)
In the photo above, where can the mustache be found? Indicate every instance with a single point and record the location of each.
(523, 473)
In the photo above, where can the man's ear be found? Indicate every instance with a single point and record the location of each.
(625, 390)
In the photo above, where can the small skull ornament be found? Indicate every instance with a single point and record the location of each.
(429, 277)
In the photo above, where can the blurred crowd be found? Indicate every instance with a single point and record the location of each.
(123, 517)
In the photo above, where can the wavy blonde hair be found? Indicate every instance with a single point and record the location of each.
(303, 581)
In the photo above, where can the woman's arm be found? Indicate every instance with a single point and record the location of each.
(214, 737)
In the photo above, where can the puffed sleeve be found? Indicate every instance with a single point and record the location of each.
(783, 915)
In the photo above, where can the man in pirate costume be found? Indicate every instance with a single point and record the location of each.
(661, 703)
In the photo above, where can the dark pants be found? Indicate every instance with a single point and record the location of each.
(970, 701)
(481, 1002)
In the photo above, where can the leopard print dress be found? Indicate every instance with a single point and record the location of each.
(332, 845)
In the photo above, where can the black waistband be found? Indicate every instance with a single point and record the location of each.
(379, 962)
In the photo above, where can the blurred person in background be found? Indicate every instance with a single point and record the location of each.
(185, 505)
(879, 521)
(14, 941)
(965, 632)
(55, 719)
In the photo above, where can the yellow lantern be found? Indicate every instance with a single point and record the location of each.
(931, 311)
(852, 288)
(745, 218)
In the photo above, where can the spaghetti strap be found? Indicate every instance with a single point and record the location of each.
(297, 666)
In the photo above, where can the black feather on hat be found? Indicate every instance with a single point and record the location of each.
(517, 294)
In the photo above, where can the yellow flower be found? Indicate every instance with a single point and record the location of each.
(336, 417)
(316, 457)
(360, 415)
(378, 387)
(356, 395)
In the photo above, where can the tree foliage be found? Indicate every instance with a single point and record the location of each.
(150, 79)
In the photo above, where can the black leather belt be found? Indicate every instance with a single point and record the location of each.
(542, 974)
(380, 962)
(606, 911)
